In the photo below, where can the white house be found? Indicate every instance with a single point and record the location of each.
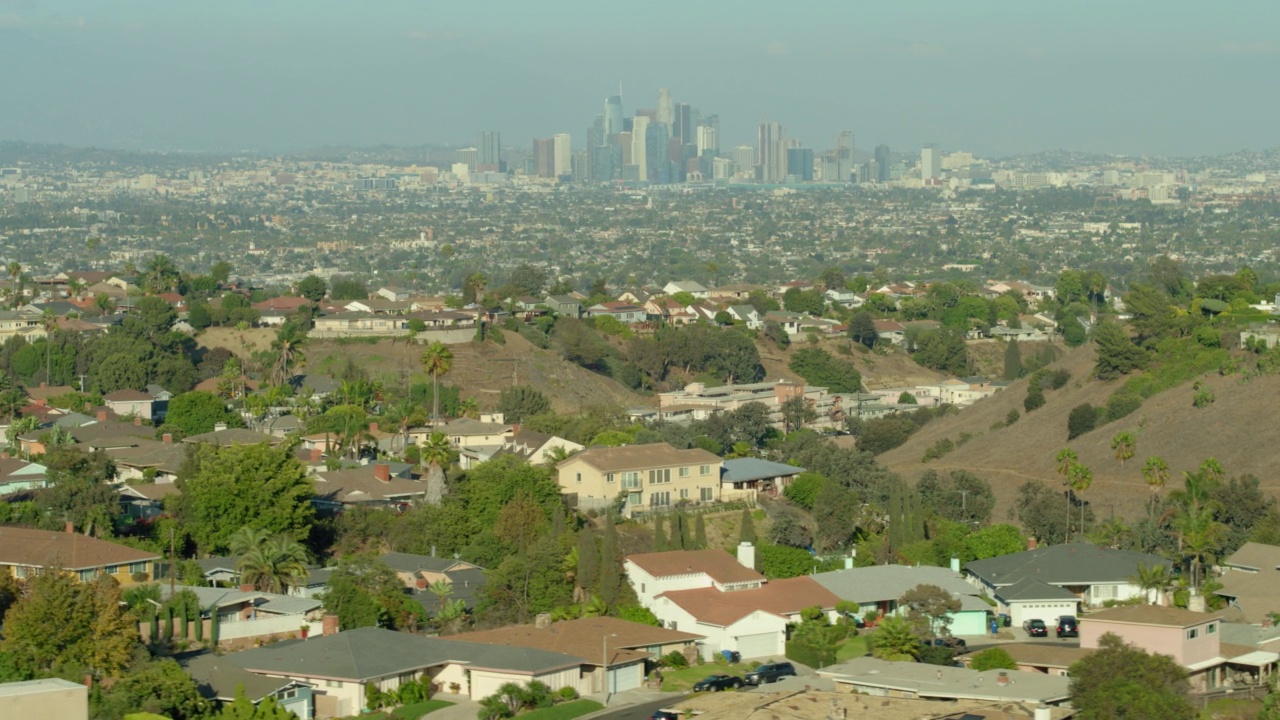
(847, 298)
(1091, 573)
(1030, 599)
(693, 288)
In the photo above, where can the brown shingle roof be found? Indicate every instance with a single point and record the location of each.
(779, 597)
(583, 638)
(127, 395)
(1153, 615)
(357, 485)
(73, 551)
(631, 457)
(717, 564)
(1255, 556)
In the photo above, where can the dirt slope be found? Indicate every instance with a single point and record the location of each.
(1236, 430)
(892, 369)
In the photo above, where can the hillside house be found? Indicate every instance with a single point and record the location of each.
(654, 477)
(130, 403)
(564, 305)
(687, 286)
(1092, 573)
(625, 313)
(877, 589)
(1251, 582)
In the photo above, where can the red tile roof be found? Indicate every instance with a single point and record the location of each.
(778, 597)
(717, 564)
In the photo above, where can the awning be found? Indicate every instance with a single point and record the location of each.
(1257, 658)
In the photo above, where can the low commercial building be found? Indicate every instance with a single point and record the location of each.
(50, 699)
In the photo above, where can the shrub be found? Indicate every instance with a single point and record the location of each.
(1012, 417)
(996, 658)
(1034, 399)
(1059, 378)
(1083, 418)
(937, 655)
(1121, 403)
(675, 659)
(566, 694)
(940, 448)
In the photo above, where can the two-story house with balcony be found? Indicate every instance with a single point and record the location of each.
(653, 477)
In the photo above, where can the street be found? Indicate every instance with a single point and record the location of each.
(641, 712)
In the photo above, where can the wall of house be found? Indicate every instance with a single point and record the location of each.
(648, 587)
(1047, 610)
(487, 682)
(1101, 592)
(68, 704)
(1155, 638)
(587, 482)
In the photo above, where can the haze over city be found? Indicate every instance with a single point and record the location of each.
(994, 78)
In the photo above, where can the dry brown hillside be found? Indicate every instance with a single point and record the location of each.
(1236, 429)
(892, 369)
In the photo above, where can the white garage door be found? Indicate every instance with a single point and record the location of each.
(758, 646)
(629, 677)
(1049, 612)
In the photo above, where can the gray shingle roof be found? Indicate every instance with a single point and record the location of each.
(217, 678)
(408, 562)
(1031, 589)
(1068, 564)
(890, 582)
(738, 470)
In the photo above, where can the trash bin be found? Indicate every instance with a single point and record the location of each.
(732, 656)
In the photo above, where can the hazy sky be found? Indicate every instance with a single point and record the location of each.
(994, 77)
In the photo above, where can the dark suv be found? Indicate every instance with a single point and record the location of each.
(770, 673)
(1067, 627)
(1035, 628)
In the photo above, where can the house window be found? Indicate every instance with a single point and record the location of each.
(704, 469)
(1193, 633)
(608, 478)
(684, 493)
(705, 494)
(87, 575)
(333, 683)
(288, 694)
(659, 499)
(630, 480)
(20, 572)
(579, 477)
(684, 471)
(113, 569)
(138, 567)
(1211, 629)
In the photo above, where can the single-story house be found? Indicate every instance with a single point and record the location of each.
(872, 676)
(748, 477)
(1092, 573)
(145, 501)
(1031, 599)
(877, 589)
(622, 312)
(17, 475)
(219, 680)
(25, 552)
(372, 484)
(128, 402)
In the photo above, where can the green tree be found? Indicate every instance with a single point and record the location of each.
(436, 453)
(276, 565)
(1153, 579)
(930, 608)
(79, 492)
(198, 412)
(797, 412)
(1117, 355)
(1080, 478)
(1151, 312)
(312, 288)
(522, 402)
(1083, 419)
(62, 623)
(906, 398)
(996, 658)
(159, 686)
(1121, 681)
(746, 528)
(1012, 361)
(943, 350)
(895, 640)
(364, 591)
(819, 367)
(804, 489)
(994, 541)
(348, 289)
(1155, 471)
(224, 488)
(1123, 444)
(437, 360)
(242, 708)
(1073, 333)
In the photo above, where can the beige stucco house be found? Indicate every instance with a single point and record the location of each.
(652, 477)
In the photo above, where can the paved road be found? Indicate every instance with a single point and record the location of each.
(641, 712)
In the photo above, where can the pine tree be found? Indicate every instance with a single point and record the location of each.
(610, 567)
(676, 538)
(747, 531)
(686, 533)
(659, 535)
(700, 535)
(1012, 361)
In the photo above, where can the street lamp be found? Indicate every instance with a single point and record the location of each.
(604, 664)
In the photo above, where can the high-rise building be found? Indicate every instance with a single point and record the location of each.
(882, 163)
(639, 151)
(712, 123)
(707, 143)
(544, 157)
(489, 144)
(612, 115)
(800, 163)
(683, 124)
(773, 153)
(930, 163)
(744, 159)
(666, 111)
(844, 157)
(564, 155)
(657, 158)
(467, 156)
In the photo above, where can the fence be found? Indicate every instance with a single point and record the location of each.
(239, 629)
(1239, 692)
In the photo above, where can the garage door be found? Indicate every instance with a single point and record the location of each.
(758, 646)
(1046, 611)
(629, 677)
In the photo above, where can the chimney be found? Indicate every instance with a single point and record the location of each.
(373, 427)
(542, 621)
(102, 416)
(217, 427)
(1002, 679)
(69, 527)
(382, 471)
(1043, 712)
(44, 385)
(247, 587)
(316, 454)
(1031, 543)
(329, 625)
(848, 563)
(955, 564)
(420, 583)
(747, 555)
(137, 422)
(166, 438)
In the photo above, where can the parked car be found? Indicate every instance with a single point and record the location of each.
(663, 715)
(1068, 627)
(1036, 628)
(770, 673)
(956, 644)
(716, 683)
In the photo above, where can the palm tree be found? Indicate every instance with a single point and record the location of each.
(1110, 533)
(1201, 535)
(15, 272)
(436, 453)
(442, 589)
(288, 346)
(1066, 458)
(246, 539)
(469, 408)
(437, 360)
(1123, 444)
(275, 566)
(1081, 479)
(1152, 579)
(894, 640)
(1156, 472)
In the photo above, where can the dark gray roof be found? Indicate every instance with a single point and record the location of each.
(739, 470)
(1031, 589)
(407, 562)
(1068, 564)
(467, 586)
(217, 678)
(369, 653)
(879, 583)
(211, 564)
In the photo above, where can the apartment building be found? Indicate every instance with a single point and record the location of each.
(653, 477)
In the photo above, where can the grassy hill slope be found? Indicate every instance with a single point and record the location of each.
(1235, 429)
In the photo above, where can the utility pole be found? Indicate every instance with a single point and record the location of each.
(173, 565)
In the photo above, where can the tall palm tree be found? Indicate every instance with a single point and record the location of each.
(15, 272)
(1066, 458)
(1201, 535)
(1081, 479)
(469, 408)
(288, 346)
(275, 566)
(246, 539)
(437, 360)
(436, 453)
(1156, 472)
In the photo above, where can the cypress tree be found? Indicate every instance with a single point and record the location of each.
(1012, 361)
(199, 626)
(659, 535)
(182, 620)
(700, 535)
(686, 533)
(676, 538)
(610, 567)
(213, 626)
(588, 561)
(166, 628)
(747, 531)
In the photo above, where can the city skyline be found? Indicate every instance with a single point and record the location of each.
(998, 80)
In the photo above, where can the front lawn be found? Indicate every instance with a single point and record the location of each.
(417, 710)
(856, 646)
(682, 680)
(563, 711)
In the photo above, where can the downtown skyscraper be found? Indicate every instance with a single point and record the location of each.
(772, 153)
(489, 152)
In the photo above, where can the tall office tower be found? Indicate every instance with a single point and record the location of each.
(930, 163)
(564, 155)
(489, 143)
(844, 157)
(800, 163)
(744, 159)
(707, 143)
(468, 157)
(639, 152)
(773, 153)
(882, 163)
(623, 141)
(595, 141)
(612, 115)
(544, 157)
(666, 111)
(657, 160)
(683, 125)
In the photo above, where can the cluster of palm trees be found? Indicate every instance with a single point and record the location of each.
(1078, 478)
